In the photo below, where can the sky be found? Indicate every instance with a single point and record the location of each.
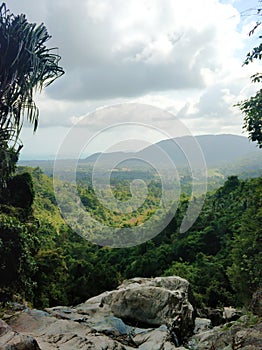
(182, 59)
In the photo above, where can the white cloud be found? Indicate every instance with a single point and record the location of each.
(116, 48)
(183, 56)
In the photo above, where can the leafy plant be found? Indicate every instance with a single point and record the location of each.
(26, 65)
(251, 108)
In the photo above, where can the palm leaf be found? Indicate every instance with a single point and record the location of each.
(26, 65)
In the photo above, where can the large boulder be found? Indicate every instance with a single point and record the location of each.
(154, 302)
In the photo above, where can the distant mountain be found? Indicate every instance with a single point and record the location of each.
(217, 150)
(108, 157)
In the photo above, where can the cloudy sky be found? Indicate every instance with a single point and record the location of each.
(183, 57)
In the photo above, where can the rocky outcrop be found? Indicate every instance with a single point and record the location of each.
(52, 331)
(145, 314)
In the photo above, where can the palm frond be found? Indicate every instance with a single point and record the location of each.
(26, 66)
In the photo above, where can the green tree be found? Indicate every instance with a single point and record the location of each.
(245, 271)
(50, 278)
(252, 107)
(18, 245)
(26, 66)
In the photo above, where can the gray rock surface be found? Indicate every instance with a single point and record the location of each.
(231, 336)
(154, 340)
(63, 334)
(139, 314)
(154, 302)
(202, 325)
(12, 340)
(149, 305)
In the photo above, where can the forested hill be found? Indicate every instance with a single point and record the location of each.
(46, 263)
(217, 150)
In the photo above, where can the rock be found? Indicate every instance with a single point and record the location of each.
(154, 339)
(66, 313)
(220, 316)
(202, 324)
(215, 315)
(98, 332)
(229, 337)
(75, 342)
(167, 314)
(256, 303)
(172, 283)
(63, 334)
(110, 325)
(231, 314)
(161, 307)
(11, 340)
(94, 305)
(153, 302)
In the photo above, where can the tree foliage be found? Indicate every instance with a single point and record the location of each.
(43, 260)
(252, 107)
(18, 238)
(26, 65)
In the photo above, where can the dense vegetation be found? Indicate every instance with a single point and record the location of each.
(46, 263)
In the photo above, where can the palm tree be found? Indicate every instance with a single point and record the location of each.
(26, 65)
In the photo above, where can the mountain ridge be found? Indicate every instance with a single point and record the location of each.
(216, 150)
